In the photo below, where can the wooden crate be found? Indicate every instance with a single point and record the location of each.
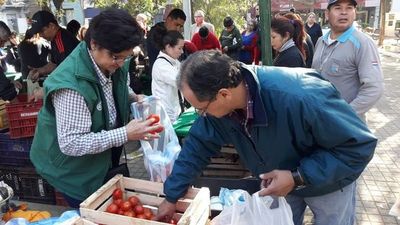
(226, 165)
(193, 209)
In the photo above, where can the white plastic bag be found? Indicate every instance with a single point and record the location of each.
(255, 210)
(159, 154)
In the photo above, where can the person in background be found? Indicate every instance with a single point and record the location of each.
(165, 72)
(349, 58)
(230, 39)
(313, 28)
(307, 42)
(287, 40)
(8, 89)
(248, 53)
(283, 123)
(82, 33)
(33, 51)
(62, 42)
(12, 57)
(84, 121)
(205, 40)
(73, 27)
(174, 21)
(199, 23)
(142, 19)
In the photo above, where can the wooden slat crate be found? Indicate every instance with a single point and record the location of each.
(226, 165)
(193, 209)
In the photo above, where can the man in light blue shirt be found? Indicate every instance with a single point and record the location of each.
(349, 59)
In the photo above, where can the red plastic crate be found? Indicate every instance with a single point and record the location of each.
(22, 117)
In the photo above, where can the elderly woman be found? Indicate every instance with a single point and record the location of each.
(85, 117)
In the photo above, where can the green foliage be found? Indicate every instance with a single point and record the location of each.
(216, 10)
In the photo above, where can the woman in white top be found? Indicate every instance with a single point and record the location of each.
(165, 71)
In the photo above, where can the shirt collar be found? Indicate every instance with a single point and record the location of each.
(102, 78)
(343, 37)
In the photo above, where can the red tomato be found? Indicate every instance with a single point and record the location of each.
(118, 202)
(147, 213)
(138, 209)
(126, 206)
(121, 212)
(117, 194)
(140, 216)
(159, 130)
(129, 213)
(155, 117)
(172, 221)
(112, 208)
(134, 200)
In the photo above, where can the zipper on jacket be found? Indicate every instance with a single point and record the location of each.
(248, 135)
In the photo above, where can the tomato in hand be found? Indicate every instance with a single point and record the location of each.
(112, 208)
(155, 117)
(117, 194)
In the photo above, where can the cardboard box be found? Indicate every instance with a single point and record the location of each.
(193, 209)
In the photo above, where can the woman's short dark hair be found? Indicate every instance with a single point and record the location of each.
(171, 38)
(115, 30)
(206, 72)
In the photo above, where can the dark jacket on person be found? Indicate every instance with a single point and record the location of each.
(62, 45)
(300, 121)
(30, 57)
(290, 57)
(7, 89)
(233, 40)
(315, 32)
(153, 36)
(309, 48)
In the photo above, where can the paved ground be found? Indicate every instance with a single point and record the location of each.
(379, 185)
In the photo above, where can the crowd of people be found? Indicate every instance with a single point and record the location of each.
(283, 121)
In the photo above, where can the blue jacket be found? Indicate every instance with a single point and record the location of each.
(299, 121)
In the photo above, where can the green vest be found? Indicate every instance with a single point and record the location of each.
(77, 176)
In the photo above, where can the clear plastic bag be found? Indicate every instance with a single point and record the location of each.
(159, 154)
(256, 210)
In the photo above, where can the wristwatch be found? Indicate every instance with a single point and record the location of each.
(298, 179)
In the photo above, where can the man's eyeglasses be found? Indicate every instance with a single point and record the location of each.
(203, 111)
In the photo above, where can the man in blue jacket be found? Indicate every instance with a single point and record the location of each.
(289, 126)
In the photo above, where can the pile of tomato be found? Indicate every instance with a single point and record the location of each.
(131, 207)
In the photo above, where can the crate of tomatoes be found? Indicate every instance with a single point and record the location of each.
(124, 200)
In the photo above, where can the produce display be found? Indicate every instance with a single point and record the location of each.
(131, 207)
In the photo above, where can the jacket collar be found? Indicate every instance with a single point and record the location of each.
(85, 69)
(251, 78)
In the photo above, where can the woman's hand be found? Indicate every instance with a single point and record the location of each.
(145, 130)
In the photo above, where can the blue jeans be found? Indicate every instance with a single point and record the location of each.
(336, 208)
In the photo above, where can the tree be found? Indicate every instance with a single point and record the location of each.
(216, 10)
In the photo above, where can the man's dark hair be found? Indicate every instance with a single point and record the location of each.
(171, 38)
(115, 30)
(206, 72)
(203, 32)
(73, 27)
(228, 21)
(177, 14)
(5, 31)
